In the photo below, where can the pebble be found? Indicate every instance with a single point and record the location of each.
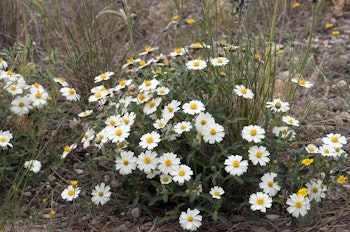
(27, 194)
(136, 212)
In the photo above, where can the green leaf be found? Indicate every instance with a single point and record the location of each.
(239, 179)
(215, 216)
(224, 221)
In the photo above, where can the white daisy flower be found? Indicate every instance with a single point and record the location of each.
(181, 174)
(235, 165)
(87, 137)
(118, 133)
(170, 109)
(149, 85)
(283, 132)
(168, 163)
(268, 184)
(316, 190)
(62, 81)
(213, 132)
(147, 161)
(148, 49)
(67, 149)
(21, 105)
(336, 140)
(160, 123)
(5, 137)
(85, 113)
(151, 106)
(216, 192)
(260, 201)
(327, 150)
(190, 220)
(219, 61)
(101, 194)
(311, 148)
(242, 91)
(3, 64)
(181, 127)
(202, 120)
(103, 77)
(298, 206)
(193, 107)
(33, 165)
(253, 133)
(122, 84)
(290, 120)
(165, 179)
(302, 82)
(199, 45)
(196, 64)
(70, 193)
(277, 105)
(70, 94)
(259, 155)
(150, 140)
(126, 163)
(128, 118)
(178, 52)
(161, 91)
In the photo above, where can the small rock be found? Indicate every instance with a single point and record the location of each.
(78, 171)
(27, 194)
(272, 216)
(136, 212)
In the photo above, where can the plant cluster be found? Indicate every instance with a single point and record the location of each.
(199, 127)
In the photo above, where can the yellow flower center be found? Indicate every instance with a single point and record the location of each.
(260, 201)
(125, 162)
(203, 122)
(170, 109)
(220, 61)
(298, 204)
(112, 122)
(98, 95)
(193, 106)
(71, 91)
(302, 81)
(165, 179)
(21, 104)
(183, 127)
(148, 49)
(120, 144)
(3, 139)
(311, 149)
(160, 124)
(290, 121)
(38, 95)
(196, 63)
(147, 83)
(168, 162)
(13, 87)
(314, 190)
(130, 60)
(270, 183)
(235, 163)
(141, 96)
(103, 76)
(126, 120)
(122, 82)
(181, 172)
(243, 90)
(217, 193)
(36, 85)
(189, 218)
(177, 50)
(175, 17)
(100, 193)
(71, 192)
(162, 91)
(61, 80)
(197, 45)
(142, 63)
(149, 139)
(253, 132)
(118, 132)
(147, 159)
(259, 154)
(212, 131)
(9, 73)
(278, 105)
(334, 139)
(284, 131)
(66, 148)
(86, 136)
(151, 104)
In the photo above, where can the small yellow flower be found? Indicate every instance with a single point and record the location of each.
(335, 32)
(296, 4)
(342, 179)
(307, 161)
(303, 192)
(74, 182)
(52, 213)
(279, 52)
(329, 25)
(257, 57)
(190, 21)
(175, 17)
